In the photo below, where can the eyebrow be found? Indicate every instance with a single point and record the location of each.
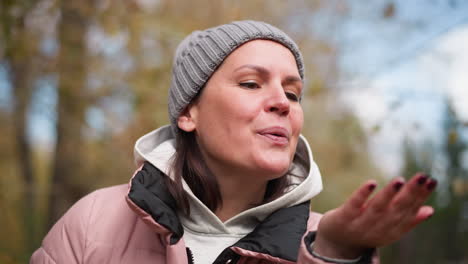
(293, 79)
(263, 71)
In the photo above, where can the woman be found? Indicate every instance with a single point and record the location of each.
(229, 181)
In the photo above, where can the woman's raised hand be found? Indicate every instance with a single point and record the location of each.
(362, 223)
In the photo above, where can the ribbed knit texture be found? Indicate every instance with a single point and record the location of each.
(199, 55)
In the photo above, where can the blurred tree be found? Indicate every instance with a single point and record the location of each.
(411, 248)
(447, 229)
(71, 106)
(18, 58)
(339, 144)
(453, 216)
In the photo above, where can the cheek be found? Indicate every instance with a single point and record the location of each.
(238, 112)
(297, 120)
(227, 115)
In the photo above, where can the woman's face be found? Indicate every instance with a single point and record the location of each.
(248, 118)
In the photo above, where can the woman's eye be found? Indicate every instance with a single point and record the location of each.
(250, 85)
(292, 96)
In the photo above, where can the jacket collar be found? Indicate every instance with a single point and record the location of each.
(278, 235)
(148, 191)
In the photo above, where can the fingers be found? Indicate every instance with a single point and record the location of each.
(384, 197)
(407, 206)
(356, 202)
(398, 198)
(416, 191)
(423, 213)
(382, 219)
(426, 191)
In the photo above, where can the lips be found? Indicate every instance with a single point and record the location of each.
(276, 135)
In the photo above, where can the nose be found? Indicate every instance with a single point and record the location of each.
(277, 102)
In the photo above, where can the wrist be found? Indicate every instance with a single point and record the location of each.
(336, 250)
(333, 260)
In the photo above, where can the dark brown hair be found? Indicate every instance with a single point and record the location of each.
(188, 163)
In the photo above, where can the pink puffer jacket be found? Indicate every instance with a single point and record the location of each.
(118, 225)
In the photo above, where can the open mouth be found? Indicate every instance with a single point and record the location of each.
(277, 135)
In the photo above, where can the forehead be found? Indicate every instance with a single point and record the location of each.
(266, 53)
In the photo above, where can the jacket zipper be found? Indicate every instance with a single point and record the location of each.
(190, 256)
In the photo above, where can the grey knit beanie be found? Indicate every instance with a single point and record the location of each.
(199, 55)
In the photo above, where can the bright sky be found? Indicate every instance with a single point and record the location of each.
(409, 97)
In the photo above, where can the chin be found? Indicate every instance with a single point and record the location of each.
(274, 169)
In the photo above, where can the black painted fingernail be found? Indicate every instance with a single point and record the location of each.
(432, 184)
(422, 179)
(371, 186)
(397, 185)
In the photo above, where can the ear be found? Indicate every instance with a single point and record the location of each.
(187, 120)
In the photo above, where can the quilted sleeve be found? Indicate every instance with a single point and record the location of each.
(66, 241)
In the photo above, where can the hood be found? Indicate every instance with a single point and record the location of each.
(158, 147)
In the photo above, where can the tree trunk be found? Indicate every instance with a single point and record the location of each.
(18, 54)
(22, 97)
(71, 106)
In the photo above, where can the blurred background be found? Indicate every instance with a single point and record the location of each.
(387, 95)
